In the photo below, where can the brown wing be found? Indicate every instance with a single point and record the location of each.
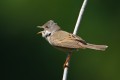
(67, 40)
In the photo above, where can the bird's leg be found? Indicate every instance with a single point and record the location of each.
(66, 64)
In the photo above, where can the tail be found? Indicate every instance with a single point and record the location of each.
(96, 47)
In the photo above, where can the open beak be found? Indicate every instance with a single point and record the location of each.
(40, 27)
(39, 32)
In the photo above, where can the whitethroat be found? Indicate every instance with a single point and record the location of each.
(65, 41)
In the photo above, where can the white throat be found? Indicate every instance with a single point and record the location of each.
(46, 35)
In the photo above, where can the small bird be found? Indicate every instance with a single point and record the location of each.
(65, 41)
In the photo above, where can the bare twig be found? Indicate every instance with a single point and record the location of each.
(75, 32)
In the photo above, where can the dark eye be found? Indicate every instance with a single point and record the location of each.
(46, 27)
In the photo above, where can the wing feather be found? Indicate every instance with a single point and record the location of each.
(67, 40)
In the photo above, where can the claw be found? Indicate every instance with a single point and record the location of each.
(66, 64)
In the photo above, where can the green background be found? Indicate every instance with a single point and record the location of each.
(27, 56)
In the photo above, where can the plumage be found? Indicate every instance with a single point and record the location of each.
(65, 41)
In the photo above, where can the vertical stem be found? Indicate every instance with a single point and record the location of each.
(66, 68)
(65, 74)
(75, 32)
(80, 17)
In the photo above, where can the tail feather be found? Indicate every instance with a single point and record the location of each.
(96, 47)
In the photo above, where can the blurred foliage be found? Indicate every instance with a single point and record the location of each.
(27, 56)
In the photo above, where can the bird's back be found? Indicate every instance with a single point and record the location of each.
(67, 40)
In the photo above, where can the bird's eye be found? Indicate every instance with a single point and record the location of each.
(46, 27)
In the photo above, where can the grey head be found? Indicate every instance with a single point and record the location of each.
(49, 28)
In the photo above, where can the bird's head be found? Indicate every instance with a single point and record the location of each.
(49, 28)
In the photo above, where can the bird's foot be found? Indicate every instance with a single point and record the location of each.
(66, 65)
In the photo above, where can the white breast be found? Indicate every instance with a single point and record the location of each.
(48, 39)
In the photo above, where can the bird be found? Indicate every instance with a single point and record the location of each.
(64, 40)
